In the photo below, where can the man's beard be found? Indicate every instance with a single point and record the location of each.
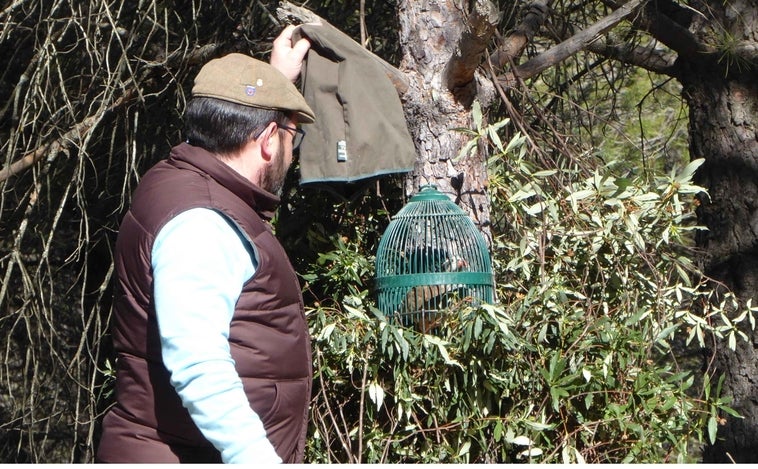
(273, 177)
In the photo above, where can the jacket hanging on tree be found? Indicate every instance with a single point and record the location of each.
(360, 129)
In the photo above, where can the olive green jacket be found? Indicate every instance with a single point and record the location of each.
(360, 129)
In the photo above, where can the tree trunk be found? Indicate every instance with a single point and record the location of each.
(723, 102)
(431, 33)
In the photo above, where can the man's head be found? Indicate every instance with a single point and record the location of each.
(237, 100)
(244, 80)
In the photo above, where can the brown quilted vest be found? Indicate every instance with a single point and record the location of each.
(268, 334)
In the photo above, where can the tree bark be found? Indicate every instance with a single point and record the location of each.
(460, 71)
(430, 37)
(723, 106)
(723, 130)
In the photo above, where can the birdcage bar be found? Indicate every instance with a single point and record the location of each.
(430, 254)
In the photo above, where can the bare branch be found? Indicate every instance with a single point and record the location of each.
(291, 13)
(569, 47)
(10, 8)
(516, 42)
(663, 22)
(649, 58)
(363, 22)
(459, 72)
(65, 141)
(670, 33)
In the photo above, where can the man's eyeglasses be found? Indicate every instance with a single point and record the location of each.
(299, 134)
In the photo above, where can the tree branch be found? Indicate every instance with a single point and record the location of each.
(569, 47)
(132, 90)
(670, 33)
(649, 58)
(65, 141)
(459, 71)
(287, 12)
(516, 42)
(290, 13)
(667, 22)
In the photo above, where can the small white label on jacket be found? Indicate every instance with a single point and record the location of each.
(341, 151)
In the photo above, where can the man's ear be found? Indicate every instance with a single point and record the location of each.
(268, 141)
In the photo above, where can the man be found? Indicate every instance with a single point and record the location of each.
(214, 358)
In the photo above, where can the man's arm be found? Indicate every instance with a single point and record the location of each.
(199, 267)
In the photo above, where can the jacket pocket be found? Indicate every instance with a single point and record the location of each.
(288, 415)
(290, 401)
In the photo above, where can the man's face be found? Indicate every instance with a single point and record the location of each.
(273, 178)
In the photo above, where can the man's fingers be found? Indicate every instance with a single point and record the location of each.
(286, 35)
(300, 48)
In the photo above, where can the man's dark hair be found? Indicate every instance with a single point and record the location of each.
(224, 127)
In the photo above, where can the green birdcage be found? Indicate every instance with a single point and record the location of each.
(430, 259)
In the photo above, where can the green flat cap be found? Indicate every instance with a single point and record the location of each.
(241, 79)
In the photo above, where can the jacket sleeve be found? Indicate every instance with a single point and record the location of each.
(199, 265)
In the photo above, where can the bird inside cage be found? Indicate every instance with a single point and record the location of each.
(432, 314)
(422, 302)
(430, 296)
(426, 259)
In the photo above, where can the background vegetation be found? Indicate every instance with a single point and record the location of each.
(587, 357)
(597, 351)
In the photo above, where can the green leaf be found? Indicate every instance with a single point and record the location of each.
(689, 170)
(494, 137)
(467, 149)
(521, 440)
(535, 209)
(464, 449)
(516, 141)
(732, 341)
(478, 325)
(588, 399)
(556, 394)
(730, 411)
(538, 426)
(581, 195)
(523, 193)
(476, 114)
(666, 333)
(531, 453)
(326, 332)
(376, 393)
(712, 429)
(498, 432)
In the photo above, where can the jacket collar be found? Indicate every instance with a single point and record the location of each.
(263, 202)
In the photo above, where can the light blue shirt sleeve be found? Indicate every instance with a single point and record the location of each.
(199, 266)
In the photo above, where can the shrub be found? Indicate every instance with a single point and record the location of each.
(579, 360)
